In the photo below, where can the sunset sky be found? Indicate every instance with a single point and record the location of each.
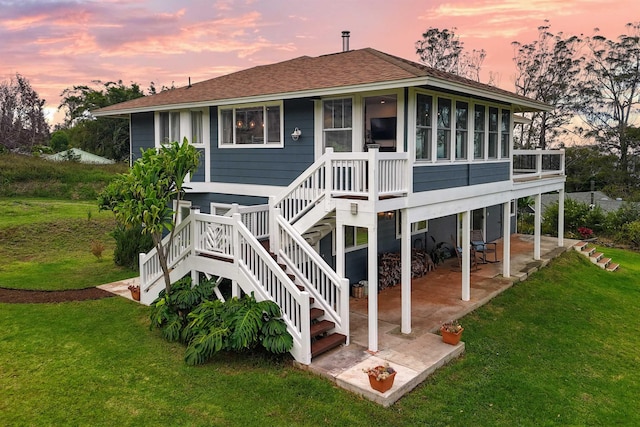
(58, 44)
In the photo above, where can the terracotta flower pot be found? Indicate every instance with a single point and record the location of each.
(135, 292)
(451, 337)
(382, 385)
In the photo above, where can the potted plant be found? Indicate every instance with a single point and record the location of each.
(451, 332)
(135, 292)
(381, 377)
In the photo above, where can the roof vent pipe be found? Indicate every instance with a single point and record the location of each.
(345, 41)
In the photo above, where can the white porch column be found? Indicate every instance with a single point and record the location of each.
(340, 258)
(372, 261)
(466, 254)
(561, 218)
(537, 226)
(506, 239)
(405, 250)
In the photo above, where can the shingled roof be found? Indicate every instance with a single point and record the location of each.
(305, 75)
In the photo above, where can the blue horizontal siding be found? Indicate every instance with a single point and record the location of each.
(142, 133)
(440, 177)
(267, 166)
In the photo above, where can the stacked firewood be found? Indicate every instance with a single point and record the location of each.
(389, 267)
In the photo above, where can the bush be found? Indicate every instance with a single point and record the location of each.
(576, 215)
(630, 234)
(208, 326)
(130, 242)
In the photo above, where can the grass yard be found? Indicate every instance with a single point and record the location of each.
(46, 244)
(558, 349)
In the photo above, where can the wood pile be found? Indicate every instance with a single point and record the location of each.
(389, 267)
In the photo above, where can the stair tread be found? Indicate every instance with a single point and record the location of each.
(321, 327)
(316, 312)
(327, 343)
(613, 267)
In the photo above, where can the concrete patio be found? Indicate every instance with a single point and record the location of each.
(435, 298)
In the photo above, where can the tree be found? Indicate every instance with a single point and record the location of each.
(545, 71)
(443, 50)
(106, 137)
(22, 122)
(143, 196)
(609, 93)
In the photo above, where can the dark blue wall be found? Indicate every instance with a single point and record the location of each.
(203, 200)
(267, 166)
(438, 177)
(142, 133)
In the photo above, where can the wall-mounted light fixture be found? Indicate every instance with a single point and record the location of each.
(296, 134)
(354, 209)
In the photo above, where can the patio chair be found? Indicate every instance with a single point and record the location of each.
(474, 260)
(482, 247)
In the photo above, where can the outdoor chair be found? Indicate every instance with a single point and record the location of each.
(473, 259)
(482, 247)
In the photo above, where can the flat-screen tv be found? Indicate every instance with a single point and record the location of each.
(383, 128)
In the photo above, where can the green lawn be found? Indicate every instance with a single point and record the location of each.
(46, 244)
(558, 349)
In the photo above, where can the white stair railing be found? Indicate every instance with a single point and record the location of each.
(330, 291)
(181, 248)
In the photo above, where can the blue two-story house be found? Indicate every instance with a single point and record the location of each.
(334, 160)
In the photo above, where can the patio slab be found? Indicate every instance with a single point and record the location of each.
(435, 298)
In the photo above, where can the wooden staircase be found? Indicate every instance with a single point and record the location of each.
(589, 250)
(322, 337)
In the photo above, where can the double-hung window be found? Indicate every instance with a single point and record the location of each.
(196, 128)
(478, 132)
(493, 133)
(337, 116)
(462, 129)
(505, 133)
(259, 125)
(424, 126)
(444, 128)
(169, 127)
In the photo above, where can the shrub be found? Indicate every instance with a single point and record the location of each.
(169, 312)
(576, 215)
(235, 325)
(130, 242)
(630, 234)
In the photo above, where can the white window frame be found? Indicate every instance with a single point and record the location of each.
(180, 208)
(415, 226)
(354, 104)
(265, 143)
(355, 246)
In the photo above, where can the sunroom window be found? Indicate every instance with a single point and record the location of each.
(250, 126)
(493, 133)
(424, 126)
(505, 129)
(444, 128)
(196, 128)
(478, 134)
(462, 129)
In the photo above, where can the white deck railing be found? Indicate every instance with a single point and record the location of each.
(344, 175)
(537, 164)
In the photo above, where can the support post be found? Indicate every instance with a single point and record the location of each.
(537, 226)
(506, 239)
(561, 218)
(466, 254)
(372, 265)
(405, 253)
